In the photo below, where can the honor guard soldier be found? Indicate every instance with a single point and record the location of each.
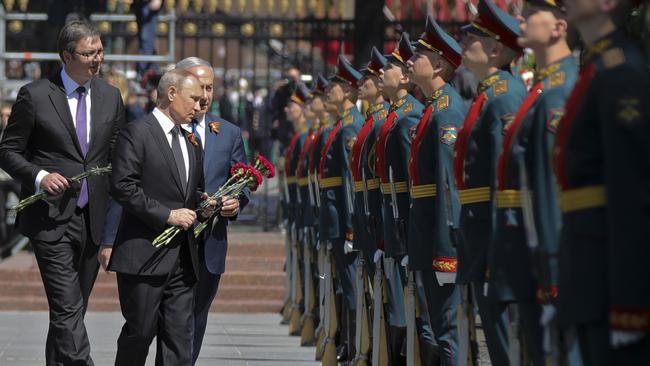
(511, 280)
(362, 160)
(289, 199)
(545, 32)
(296, 115)
(322, 108)
(337, 197)
(478, 146)
(306, 220)
(434, 201)
(367, 202)
(392, 153)
(603, 172)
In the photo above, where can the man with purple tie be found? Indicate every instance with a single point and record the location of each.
(58, 128)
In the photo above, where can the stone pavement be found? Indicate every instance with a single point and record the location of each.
(231, 339)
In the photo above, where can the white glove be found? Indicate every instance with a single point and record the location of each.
(548, 313)
(378, 254)
(445, 278)
(348, 247)
(405, 261)
(621, 338)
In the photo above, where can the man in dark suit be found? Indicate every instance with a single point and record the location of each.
(222, 147)
(58, 128)
(157, 178)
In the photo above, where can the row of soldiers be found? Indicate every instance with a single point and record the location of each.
(530, 207)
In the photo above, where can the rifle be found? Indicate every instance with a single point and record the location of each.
(294, 322)
(467, 341)
(541, 268)
(379, 319)
(466, 319)
(514, 346)
(286, 308)
(412, 344)
(307, 319)
(366, 210)
(413, 356)
(349, 201)
(322, 277)
(361, 336)
(328, 348)
(312, 200)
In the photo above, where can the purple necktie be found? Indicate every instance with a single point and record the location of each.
(82, 136)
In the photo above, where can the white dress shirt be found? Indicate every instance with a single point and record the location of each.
(70, 86)
(200, 129)
(167, 126)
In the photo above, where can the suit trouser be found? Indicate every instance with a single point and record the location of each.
(443, 301)
(68, 270)
(204, 294)
(495, 325)
(157, 306)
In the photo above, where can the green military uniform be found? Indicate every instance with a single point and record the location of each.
(558, 79)
(434, 213)
(337, 199)
(302, 218)
(367, 225)
(290, 179)
(392, 150)
(477, 149)
(603, 173)
(336, 218)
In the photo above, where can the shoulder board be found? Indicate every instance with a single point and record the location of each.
(500, 87)
(485, 84)
(399, 103)
(613, 57)
(556, 79)
(408, 107)
(383, 114)
(442, 103)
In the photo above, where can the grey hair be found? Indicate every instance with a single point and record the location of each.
(190, 62)
(176, 78)
(72, 33)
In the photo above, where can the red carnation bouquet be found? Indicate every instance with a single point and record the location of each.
(241, 176)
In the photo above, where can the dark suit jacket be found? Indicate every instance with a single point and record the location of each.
(41, 136)
(221, 151)
(145, 182)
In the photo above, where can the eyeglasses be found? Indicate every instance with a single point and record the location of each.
(91, 54)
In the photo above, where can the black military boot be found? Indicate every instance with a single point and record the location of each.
(430, 354)
(352, 328)
(397, 340)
